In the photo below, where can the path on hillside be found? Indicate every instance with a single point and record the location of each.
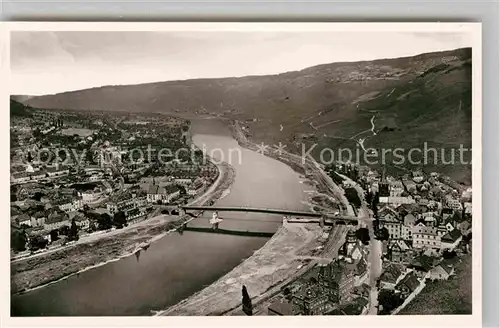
(372, 121)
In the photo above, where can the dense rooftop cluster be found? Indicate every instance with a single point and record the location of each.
(75, 171)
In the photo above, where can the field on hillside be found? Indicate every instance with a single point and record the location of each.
(430, 114)
(380, 104)
(452, 296)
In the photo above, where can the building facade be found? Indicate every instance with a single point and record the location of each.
(425, 237)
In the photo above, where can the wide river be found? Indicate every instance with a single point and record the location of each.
(176, 266)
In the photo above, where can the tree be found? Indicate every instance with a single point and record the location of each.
(363, 235)
(375, 202)
(37, 242)
(104, 222)
(467, 237)
(64, 230)
(54, 235)
(369, 197)
(120, 220)
(92, 226)
(37, 196)
(18, 240)
(89, 155)
(447, 254)
(352, 196)
(389, 301)
(246, 301)
(382, 234)
(73, 231)
(182, 190)
(286, 291)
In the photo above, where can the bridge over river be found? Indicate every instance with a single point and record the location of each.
(289, 215)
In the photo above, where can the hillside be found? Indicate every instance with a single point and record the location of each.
(17, 109)
(20, 98)
(414, 99)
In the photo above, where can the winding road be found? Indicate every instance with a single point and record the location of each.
(375, 257)
(372, 121)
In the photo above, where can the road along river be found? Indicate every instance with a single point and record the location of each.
(176, 266)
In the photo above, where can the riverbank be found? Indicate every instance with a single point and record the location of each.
(295, 162)
(283, 256)
(306, 166)
(39, 271)
(292, 250)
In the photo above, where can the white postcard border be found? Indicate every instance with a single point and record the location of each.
(320, 321)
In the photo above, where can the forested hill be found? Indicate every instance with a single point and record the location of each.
(409, 100)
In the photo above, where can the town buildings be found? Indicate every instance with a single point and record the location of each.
(50, 192)
(162, 194)
(425, 237)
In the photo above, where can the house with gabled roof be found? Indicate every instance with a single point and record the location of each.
(451, 239)
(464, 227)
(407, 227)
(69, 204)
(446, 212)
(396, 188)
(313, 298)
(397, 201)
(468, 209)
(390, 275)
(362, 290)
(425, 237)
(38, 218)
(431, 221)
(399, 251)
(56, 219)
(81, 220)
(357, 306)
(393, 225)
(57, 171)
(453, 220)
(20, 177)
(422, 264)
(442, 271)
(23, 219)
(442, 230)
(410, 186)
(417, 176)
(163, 194)
(408, 284)
(423, 201)
(281, 307)
(454, 203)
(38, 175)
(387, 212)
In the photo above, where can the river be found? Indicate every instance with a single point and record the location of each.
(177, 266)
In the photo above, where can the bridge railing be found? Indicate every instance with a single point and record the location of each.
(283, 212)
(253, 209)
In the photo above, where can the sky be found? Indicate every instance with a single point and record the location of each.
(52, 62)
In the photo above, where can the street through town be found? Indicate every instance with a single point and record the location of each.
(375, 257)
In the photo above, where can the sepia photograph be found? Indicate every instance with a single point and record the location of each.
(245, 169)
